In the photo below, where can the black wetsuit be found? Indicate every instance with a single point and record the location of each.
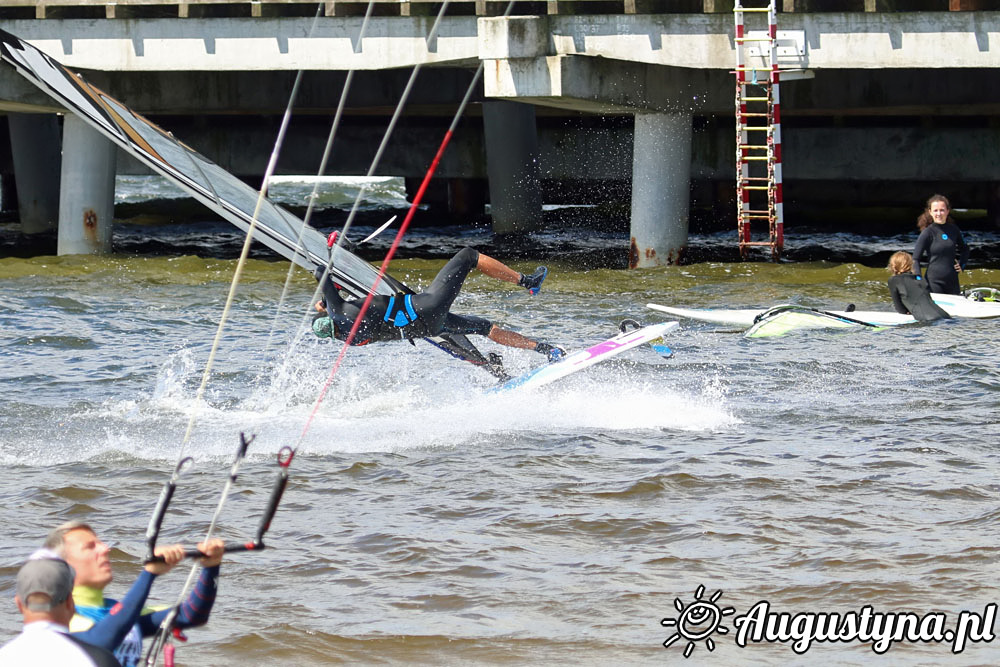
(940, 243)
(409, 316)
(910, 295)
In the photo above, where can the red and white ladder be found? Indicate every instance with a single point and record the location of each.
(758, 130)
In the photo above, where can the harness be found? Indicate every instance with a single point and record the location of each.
(400, 313)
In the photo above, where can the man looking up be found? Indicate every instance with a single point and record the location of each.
(116, 625)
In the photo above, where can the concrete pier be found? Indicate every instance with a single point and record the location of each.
(87, 198)
(903, 102)
(512, 165)
(35, 151)
(661, 184)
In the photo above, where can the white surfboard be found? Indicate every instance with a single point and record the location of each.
(957, 305)
(743, 318)
(595, 354)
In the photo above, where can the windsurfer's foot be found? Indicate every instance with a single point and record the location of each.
(533, 281)
(553, 352)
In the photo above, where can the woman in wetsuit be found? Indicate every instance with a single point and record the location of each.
(909, 291)
(427, 313)
(940, 238)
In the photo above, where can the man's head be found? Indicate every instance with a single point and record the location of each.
(45, 588)
(323, 327)
(78, 544)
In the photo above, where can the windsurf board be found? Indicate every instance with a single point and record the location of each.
(595, 354)
(745, 318)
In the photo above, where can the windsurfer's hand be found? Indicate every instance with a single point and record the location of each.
(213, 550)
(171, 556)
(320, 308)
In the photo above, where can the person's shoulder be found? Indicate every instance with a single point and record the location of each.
(80, 623)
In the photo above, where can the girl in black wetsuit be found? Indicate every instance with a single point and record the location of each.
(427, 313)
(940, 238)
(909, 292)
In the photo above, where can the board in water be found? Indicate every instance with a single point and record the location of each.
(745, 318)
(595, 354)
(954, 304)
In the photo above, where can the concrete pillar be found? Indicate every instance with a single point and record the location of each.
(661, 184)
(87, 197)
(34, 147)
(512, 166)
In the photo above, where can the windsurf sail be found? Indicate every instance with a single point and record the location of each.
(783, 319)
(213, 186)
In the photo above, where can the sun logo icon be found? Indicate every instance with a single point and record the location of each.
(698, 620)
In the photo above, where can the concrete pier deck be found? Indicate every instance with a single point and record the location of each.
(902, 100)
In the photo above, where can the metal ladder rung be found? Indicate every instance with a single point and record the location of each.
(754, 158)
(756, 187)
(755, 147)
(753, 39)
(756, 179)
(756, 10)
(756, 99)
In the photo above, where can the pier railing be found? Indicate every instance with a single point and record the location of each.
(120, 9)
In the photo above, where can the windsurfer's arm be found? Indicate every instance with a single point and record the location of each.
(194, 611)
(897, 301)
(332, 300)
(111, 630)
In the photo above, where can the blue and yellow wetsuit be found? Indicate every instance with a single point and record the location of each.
(120, 626)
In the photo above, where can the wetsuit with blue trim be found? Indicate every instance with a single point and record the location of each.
(941, 243)
(406, 316)
(120, 626)
(910, 295)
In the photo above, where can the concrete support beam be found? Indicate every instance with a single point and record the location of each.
(35, 149)
(86, 202)
(661, 188)
(600, 85)
(512, 166)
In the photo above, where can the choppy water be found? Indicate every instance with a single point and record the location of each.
(428, 523)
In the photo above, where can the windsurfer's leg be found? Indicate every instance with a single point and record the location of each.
(448, 282)
(511, 338)
(514, 339)
(496, 269)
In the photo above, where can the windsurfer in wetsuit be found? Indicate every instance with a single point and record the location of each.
(909, 291)
(940, 238)
(427, 313)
